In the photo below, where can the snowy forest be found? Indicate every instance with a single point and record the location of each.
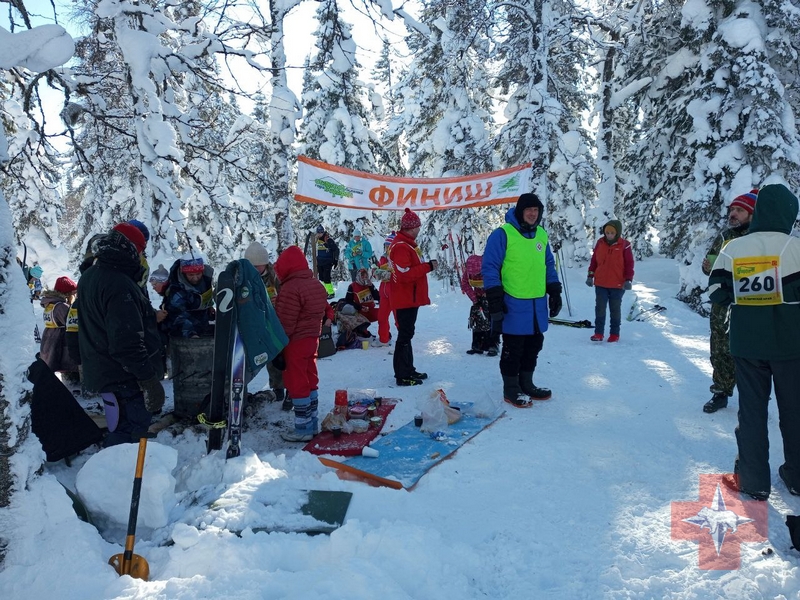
(180, 114)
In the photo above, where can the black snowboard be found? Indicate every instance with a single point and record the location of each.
(60, 423)
(223, 344)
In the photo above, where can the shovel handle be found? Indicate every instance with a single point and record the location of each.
(134, 514)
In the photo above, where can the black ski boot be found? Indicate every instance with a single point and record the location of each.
(493, 350)
(513, 394)
(718, 400)
(526, 384)
(287, 405)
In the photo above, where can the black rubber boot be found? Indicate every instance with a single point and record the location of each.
(526, 384)
(718, 400)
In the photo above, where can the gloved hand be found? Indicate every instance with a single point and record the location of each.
(433, 264)
(590, 281)
(496, 298)
(554, 297)
(153, 393)
(555, 303)
(627, 285)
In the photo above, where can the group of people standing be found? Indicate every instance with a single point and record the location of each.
(754, 286)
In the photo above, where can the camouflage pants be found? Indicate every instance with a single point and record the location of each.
(722, 364)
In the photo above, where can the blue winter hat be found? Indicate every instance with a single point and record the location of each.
(356, 233)
(320, 229)
(36, 272)
(141, 227)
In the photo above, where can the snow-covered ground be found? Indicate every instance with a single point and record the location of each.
(570, 499)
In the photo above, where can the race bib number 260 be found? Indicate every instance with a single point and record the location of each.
(757, 280)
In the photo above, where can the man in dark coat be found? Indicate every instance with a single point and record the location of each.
(118, 338)
(327, 257)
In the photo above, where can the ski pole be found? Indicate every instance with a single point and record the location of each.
(560, 262)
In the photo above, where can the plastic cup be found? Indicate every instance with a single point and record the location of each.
(369, 452)
(336, 431)
(340, 398)
(418, 420)
(365, 344)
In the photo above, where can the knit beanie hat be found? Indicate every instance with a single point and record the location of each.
(65, 285)
(141, 227)
(257, 254)
(191, 264)
(160, 275)
(473, 265)
(746, 201)
(389, 239)
(356, 233)
(36, 272)
(320, 229)
(133, 235)
(410, 220)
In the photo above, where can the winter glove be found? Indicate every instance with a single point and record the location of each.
(627, 285)
(590, 279)
(554, 300)
(495, 296)
(153, 393)
(433, 264)
(555, 305)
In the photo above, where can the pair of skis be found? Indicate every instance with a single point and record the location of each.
(228, 368)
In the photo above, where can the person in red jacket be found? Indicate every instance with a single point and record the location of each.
(611, 273)
(363, 295)
(409, 291)
(384, 274)
(301, 305)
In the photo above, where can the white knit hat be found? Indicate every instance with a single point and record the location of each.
(257, 254)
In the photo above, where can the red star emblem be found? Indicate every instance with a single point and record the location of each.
(720, 522)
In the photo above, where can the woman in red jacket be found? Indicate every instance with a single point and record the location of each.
(611, 273)
(409, 292)
(301, 304)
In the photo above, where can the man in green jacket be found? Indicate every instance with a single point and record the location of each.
(758, 276)
(740, 213)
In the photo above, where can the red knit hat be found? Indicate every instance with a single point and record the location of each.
(410, 220)
(65, 285)
(132, 233)
(746, 201)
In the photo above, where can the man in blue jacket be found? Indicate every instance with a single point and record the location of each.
(522, 287)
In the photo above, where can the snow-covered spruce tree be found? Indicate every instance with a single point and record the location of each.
(543, 65)
(30, 178)
(642, 164)
(726, 109)
(164, 140)
(336, 124)
(22, 454)
(446, 115)
(615, 117)
(284, 111)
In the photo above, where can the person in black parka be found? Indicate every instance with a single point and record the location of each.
(119, 342)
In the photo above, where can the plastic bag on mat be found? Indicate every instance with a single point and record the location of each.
(433, 417)
(437, 413)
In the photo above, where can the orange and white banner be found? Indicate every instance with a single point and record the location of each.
(321, 183)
